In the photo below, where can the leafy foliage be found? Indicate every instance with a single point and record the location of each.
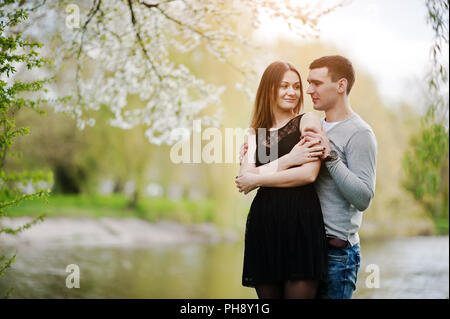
(427, 168)
(426, 164)
(16, 95)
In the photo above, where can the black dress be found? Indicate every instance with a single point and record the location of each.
(285, 234)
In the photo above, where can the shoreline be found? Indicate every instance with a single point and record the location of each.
(110, 232)
(60, 231)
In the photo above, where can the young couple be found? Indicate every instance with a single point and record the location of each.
(314, 178)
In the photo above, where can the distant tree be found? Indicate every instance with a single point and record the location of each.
(426, 164)
(15, 95)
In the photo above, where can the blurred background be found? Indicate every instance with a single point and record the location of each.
(139, 225)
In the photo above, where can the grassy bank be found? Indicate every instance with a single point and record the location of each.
(442, 226)
(117, 205)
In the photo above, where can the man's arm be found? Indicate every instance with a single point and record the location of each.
(357, 181)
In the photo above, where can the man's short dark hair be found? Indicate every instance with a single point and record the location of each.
(338, 68)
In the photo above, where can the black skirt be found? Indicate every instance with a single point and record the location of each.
(285, 237)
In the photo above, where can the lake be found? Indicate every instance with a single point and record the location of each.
(415, 267)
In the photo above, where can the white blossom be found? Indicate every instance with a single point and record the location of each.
(122, 48)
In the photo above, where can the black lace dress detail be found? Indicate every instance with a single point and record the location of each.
(274, 136)
(285, 234)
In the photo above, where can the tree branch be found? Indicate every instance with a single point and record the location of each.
(141, 43)
(176, 20)
(95, 8)
(208, 38)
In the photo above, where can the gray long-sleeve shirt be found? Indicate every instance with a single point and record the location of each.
(346, 186)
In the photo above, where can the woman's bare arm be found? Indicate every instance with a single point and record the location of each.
(296, 176)
(279, 164)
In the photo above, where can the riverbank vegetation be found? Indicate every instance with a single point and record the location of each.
(118, 206)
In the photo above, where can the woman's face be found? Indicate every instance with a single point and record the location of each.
(289, 91)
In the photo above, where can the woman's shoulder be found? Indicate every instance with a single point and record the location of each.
(296, 119)
(310, 116)
(310, 119)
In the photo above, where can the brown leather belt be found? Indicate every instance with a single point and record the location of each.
(336, 242)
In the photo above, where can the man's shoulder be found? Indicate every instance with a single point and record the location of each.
(356, 124)
(353, 127)
(360, 124)
(361, 132)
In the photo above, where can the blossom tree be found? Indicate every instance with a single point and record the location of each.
(124, 47)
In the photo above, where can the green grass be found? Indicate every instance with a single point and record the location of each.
(441, 225)
(96, 206)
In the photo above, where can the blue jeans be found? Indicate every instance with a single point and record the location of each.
(343, 267)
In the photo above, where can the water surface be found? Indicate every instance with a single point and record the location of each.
(409, 268)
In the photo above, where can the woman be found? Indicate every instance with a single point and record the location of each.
(285, 243)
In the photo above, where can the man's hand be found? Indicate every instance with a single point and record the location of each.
(247, 182)
(244, 149)
(305, 151)
(321, 135)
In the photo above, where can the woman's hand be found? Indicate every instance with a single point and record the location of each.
(305, 151)
(247, 182)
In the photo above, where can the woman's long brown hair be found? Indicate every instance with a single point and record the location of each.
(266, 96)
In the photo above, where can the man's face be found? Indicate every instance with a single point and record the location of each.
(323, 91)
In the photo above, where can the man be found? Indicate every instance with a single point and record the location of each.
(346, 182)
